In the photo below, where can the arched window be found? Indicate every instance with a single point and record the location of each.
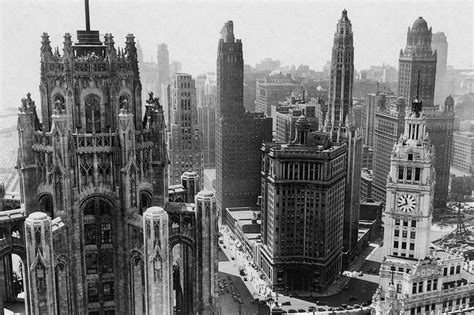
(59, 102)
(46, 205)
(145, 201)
(92, 107)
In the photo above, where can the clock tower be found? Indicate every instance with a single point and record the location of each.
(409, 203)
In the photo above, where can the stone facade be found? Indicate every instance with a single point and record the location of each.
(88, 172)
(303, 189)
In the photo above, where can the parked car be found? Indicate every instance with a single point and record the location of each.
(286, 303)
(292, 311)
(361, 273)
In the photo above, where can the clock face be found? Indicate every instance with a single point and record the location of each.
(406, 203)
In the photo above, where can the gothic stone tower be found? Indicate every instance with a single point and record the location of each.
(91, 163)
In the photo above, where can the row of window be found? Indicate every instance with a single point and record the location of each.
(431, 285)
(404, 245)
(405, 234)
(405, 222)
(94, 288)
(409, 173)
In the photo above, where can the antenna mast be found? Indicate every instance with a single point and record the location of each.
(88, 26)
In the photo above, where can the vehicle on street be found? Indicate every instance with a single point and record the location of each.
(286, 303)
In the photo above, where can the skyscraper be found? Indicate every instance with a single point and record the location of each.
(339, 123)
(417, 76)
(439, 43)
(418, 65)
(239, 135)
(184, 130)
(163, 60)
(303, 189)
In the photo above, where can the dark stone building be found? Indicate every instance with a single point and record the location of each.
(303, 189)
(239, 134)
(96, 234)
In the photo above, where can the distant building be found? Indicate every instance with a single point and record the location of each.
(285, 115)
(271, 91)
(184, 132)
(303, 188)
(175, 67)
(207, 118)
(148, 75)
(267, 64)
(463, 151)
(372, 102)
(239, 135)
(367, 157)
(245, 224)
(389, 125)
(439, 43)
(366, 179)
(163, 65)
(384, 73)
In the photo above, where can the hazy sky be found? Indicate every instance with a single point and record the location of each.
(295, 32)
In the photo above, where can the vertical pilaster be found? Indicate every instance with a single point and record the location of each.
(40, 264)
(207, 244)
(191, 183)
(157, 261)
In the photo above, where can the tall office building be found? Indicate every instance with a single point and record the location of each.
(184, 130)
(439, 43)
(239, 135)
(340, 124)
(303, 189)
(163, 65)
(206, 107)
(389, 126)
(417, 76)
(415, 277)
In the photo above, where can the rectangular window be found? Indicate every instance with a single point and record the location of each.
(408, 173)
(458, 269)
(397, 221)
(427, 308)
(400, 172)
(413, 290)
(410, 156)
(420, 287)
(404, 245)
(435, 284)
(428, 285)
(397, 232)
(405, 223)
(89, 234)
(417, 174)
(105, 232)
(445, 271)
(399, 288)
(412, 234)
(395, 244)
(107, 262)
(92, 292)
(413, 223)
(451, 270)
(404, 234)
(91, 263)
(412, 246)
(108, 289)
